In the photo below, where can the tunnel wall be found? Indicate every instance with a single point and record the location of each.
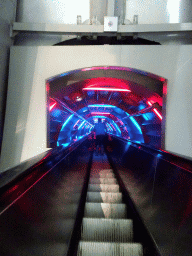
(25, 122)
(161, 192)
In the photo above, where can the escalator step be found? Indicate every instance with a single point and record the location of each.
(102, 172)
(109, 249)
(103, 188)
(107, 230)
(103, 181)
(103, 210)
(99, 197)
(102, 175)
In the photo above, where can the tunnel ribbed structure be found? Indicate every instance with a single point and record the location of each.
(129, 102)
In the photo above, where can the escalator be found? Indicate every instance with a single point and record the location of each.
(108, 223)
(106, 226)
(77, 203)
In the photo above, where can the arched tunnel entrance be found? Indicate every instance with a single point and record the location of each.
(128, 101)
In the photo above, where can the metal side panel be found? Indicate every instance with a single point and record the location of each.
(41, 221)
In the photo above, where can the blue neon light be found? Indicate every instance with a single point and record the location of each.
(68, 119)
(81, 125)
(117, 127)
(141, 106)
(109, 127)
(56, 113)
(104, 117)
(65, 144)
(56, 121)
(145, 117)
(136, 124)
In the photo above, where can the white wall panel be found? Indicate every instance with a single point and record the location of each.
(25, 124)
(7, 15)
(179, 107)
(175, 64)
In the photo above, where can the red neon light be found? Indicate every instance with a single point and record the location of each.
(100, 113)
(106, 89)
(155, 111)
(52, 106)
(106, 84)
(158, 114)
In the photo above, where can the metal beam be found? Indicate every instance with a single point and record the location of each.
(99, 29)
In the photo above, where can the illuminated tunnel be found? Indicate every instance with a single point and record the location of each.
(128, 101)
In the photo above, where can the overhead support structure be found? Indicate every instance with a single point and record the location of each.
(146, 110)
(167, 29)
(73, 112)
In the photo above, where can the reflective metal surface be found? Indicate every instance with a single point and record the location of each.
(161, 190)
(41, 221)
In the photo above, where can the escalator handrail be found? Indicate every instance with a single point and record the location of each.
(183, 163)
(26, 167)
